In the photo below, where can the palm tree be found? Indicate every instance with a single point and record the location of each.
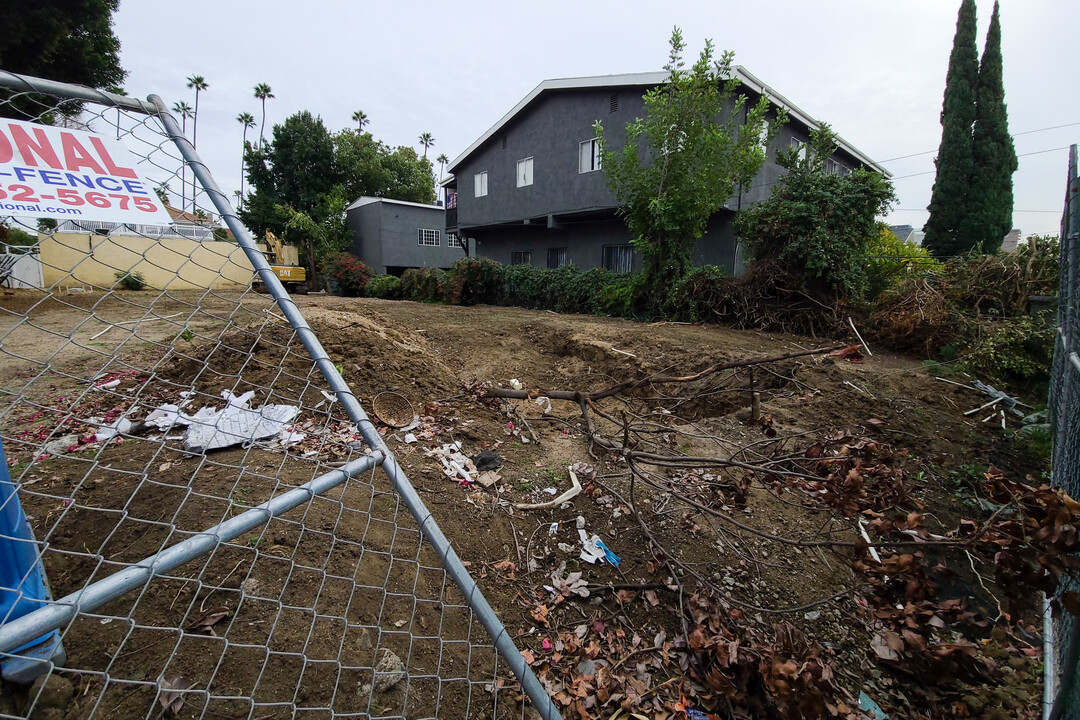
(184, 111)
(442, 160)
(248, 121)
(262, 92)
(197, 83)
(361, 119)
(427, 141)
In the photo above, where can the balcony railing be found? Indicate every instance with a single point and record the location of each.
(199, 233)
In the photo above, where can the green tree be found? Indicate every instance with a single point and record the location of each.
(442, 160)
(197, 83)
(818, 226)
(361, 119)
(427, 141)
(66, 40)
(320, 232)
(263, 93)
(184, 111)
(993, 155)
(682, 161)
(948, 208)
(370, 167)
(248, 121)
(296, 169)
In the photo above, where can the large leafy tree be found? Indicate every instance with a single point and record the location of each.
(698, 139)
(945, 229)
(818, 227)
(370, 167)
(296, 169)
(66, 40)
(993, 154)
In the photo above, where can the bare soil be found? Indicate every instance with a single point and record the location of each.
(314, 597)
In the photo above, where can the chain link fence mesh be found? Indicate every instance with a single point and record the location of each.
(1063, 630)
(200, 592)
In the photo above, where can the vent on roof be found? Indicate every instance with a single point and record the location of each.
(503, 142)
(614, 103)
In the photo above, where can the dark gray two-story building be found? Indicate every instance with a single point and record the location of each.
(531, 189)
(394, 235)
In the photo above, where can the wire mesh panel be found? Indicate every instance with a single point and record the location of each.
(221, 530)
(1063, 648)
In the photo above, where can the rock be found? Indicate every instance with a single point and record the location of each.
(1036, 429)
(389, 671)
(586, 667)
(60, 445)
(364, 641)
(55, 693)
(812, 615)
(251, 586)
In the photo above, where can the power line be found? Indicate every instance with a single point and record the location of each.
(1056, 212)
(931, 172)
(1015, 135)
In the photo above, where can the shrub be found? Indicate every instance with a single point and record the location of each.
(1014, 348)
(698, 294)
(349, 272)
(130, 280)
(475, 280)
(386, 287)
(423, 285)
(816, 226)
(890, 260)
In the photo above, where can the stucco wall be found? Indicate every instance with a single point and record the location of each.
(94, 260)
(385, 235)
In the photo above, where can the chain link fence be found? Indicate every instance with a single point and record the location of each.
(1062, 692)
(222, 530)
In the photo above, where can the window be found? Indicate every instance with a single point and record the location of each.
(480, 184)
(589, 157)
(800, 147)
(613, 105)
(524, 172)
(429, 237)
(556, 257)
(454, 240)
(833, 167)
(521, 257)
(619, 258)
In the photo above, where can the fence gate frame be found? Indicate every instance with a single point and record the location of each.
(59, 612)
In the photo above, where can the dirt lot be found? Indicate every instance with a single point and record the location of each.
(711, 606)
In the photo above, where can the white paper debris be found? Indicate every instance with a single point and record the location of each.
(410, 438)
(544, 403)
(516, 384)
(553, 528)
(107, 432)
(551, 491)
(209, 429)
(455, 464)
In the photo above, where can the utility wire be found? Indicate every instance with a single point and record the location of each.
(931, 172)
(1015, 135)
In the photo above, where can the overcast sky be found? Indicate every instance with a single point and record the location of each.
(874, 69)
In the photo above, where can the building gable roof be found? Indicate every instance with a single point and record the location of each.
(652, 79)
(367, 200)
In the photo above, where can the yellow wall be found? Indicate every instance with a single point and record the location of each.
(176, 264)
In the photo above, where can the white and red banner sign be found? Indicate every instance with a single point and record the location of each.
(55, 172)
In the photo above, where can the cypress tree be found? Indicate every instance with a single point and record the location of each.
(948, 203)
(993, 154)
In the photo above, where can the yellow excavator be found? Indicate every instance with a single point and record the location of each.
(293, 277)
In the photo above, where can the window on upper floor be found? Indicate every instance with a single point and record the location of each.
(453, 240)
(802, 148)
(556, 258)
(429, 237)
(480, 184)
(521, 257)
(833, 167)
(589, 157)
(619, 258)
(613, 104)
(525, 172)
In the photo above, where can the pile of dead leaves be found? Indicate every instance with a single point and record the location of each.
(856, 474)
